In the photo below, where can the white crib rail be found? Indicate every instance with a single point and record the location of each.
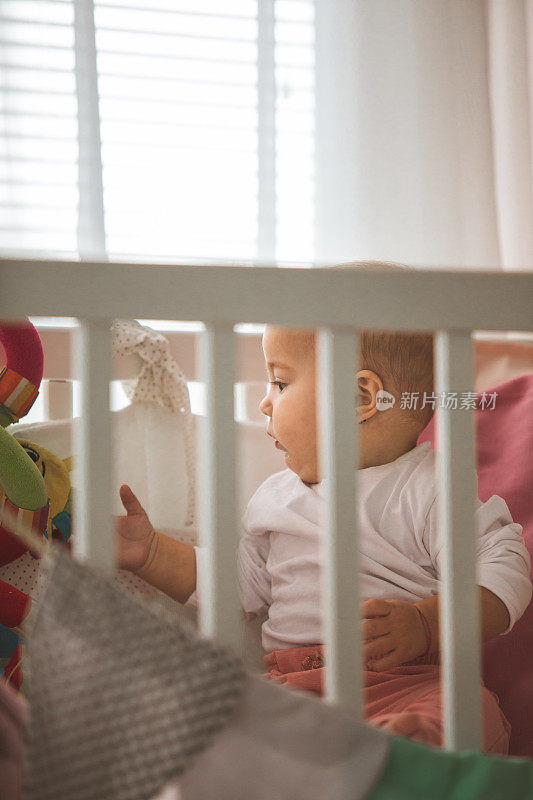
(453, 303)
(219, 607)
(460, 634)
(94, 540)
(337, 361)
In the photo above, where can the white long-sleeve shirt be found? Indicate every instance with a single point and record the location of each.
(280, 556)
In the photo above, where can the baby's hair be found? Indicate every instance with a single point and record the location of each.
(403, 360)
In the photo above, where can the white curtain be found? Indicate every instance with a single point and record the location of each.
(424, 132)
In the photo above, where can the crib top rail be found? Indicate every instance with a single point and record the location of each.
(418, 300)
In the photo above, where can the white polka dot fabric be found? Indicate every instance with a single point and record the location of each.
(120, 700)
(23, 574)
(159, 381)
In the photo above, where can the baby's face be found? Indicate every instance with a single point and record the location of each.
(290, 403)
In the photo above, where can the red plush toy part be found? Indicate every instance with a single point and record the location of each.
(11, 547)
(14, 605)
(22, 375)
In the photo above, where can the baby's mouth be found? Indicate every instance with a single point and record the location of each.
(277, 444)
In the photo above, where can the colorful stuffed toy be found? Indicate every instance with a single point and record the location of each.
(34, 483)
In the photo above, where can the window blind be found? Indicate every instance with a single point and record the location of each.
(38, 128)
(205, 116)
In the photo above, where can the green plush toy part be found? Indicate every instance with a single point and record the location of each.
(56, 475)
(21, 479)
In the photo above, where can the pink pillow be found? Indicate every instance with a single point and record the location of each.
(505, 468)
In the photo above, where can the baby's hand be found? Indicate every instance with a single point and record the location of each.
(393, 633)
(135, 532)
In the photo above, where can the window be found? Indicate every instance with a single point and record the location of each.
(200, 145)
(38, 128)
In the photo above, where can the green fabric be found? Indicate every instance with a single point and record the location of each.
(20, 479)
(5, 417)
(416, 772)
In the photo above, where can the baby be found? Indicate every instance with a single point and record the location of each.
(400, 547)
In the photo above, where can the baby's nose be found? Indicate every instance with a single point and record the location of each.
(265, 406)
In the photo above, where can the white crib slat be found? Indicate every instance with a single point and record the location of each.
(219, 601)
(337, 417)
(94, 541)
(460, 634)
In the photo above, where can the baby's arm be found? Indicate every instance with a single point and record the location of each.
(166, 563)
(401, 630)
(493, 611)
(502, 564)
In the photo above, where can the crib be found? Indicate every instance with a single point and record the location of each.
(452, 303)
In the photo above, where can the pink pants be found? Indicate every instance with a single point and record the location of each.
(406, 700)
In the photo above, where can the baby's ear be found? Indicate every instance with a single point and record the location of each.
(369, 381)
(368, 386)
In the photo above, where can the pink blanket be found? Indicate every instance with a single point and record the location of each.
(505, 467)
(406, 700)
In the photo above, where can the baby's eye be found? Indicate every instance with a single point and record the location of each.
(281, 386)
